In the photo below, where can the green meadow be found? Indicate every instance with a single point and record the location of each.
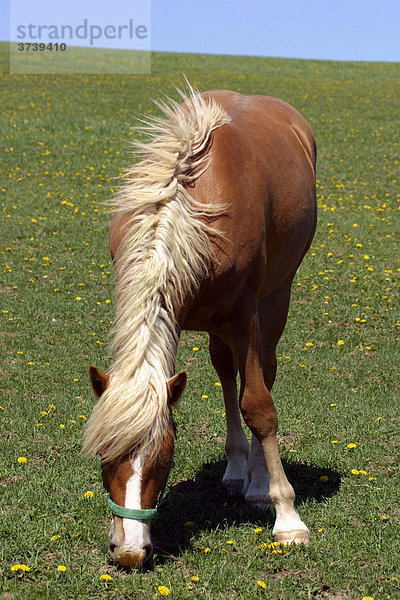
(65, 140)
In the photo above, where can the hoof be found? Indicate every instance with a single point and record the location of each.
(261, 502)
(298, 536)
(233, 486)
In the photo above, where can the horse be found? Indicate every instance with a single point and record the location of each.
(209, 229)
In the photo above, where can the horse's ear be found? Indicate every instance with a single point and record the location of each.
(98, 380)
(176, 385)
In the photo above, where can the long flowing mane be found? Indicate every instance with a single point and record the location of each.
(163, 256)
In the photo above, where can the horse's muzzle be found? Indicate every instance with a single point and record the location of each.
(130, 558)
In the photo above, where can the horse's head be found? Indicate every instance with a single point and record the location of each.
(134, 483)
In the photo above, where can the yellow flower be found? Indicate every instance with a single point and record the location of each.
(195, 579)
(355, 472)
(352, 445)
(61, 568)
(163, 590)
(230, 542)
(206, 550)
(262, 584)
(205, 396)
(105, 577)
(19, 567)
(55, 537)
(340, 343)
(88, 494)
(22, 459)
(258, 529)
(78, 298)
(367, 598)
(195, 349)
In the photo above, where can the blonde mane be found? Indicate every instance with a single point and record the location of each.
(165, 252)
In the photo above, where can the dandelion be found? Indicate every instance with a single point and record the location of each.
(262, 584)
(88, 494)
(19, 567)
(355, 472)
(204, 396)
(105, 577)
(163, 590)
(22, 459)
(258, 530)
(61, 568)
(78, 298)
(230, 542)
(340, 342)
(334, 442)
(352, 445)
(206, 550)
(195, 349)
(195, 579)
(55, 537)
(367, 598)
(217, 384)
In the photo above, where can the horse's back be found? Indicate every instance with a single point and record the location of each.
(262, 165)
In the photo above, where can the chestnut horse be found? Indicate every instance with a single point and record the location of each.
(208, 232)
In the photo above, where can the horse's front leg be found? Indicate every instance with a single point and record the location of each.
(260, 415)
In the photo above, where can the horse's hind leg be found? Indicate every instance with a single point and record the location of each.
(260, 415)
(237, 446)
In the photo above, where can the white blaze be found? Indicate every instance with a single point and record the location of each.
(137, 533)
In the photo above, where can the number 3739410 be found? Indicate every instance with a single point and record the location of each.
(42, 47)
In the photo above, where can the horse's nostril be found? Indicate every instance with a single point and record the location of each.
(111, 547)
(148, 548)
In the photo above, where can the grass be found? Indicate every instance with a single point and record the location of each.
(64, 141)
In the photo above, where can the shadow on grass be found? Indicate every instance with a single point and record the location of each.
(193, 506)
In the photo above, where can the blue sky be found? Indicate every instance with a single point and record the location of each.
(322, 29)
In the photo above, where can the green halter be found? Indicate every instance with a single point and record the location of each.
(139, 513)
